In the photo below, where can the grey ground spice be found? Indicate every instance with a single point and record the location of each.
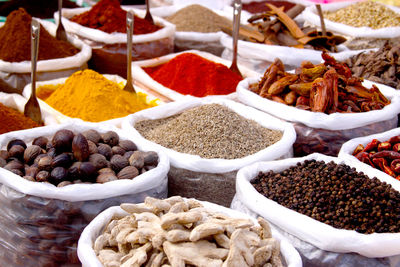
(196, 18)
(210, 131)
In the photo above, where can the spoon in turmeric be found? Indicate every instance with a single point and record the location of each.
(129, 32)
(32, 109)
(237, 8)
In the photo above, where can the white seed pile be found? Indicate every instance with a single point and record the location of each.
(210, 131)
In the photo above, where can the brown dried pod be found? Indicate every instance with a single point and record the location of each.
(137, 159)
(92, 135)
(64, 183)
(31, 153)
(72, 254)
(40, 141)
(14, 142)
(92, 147)
(62, 140)
(118, 162)
(98, 160)
(16, 151)
(47, 232)
(45, 244)
(58, 175)
(106, 177)
(128, 145)
(62, 160)
(14, 164)
(45, 163)
(46, 261)
(105, 150)
(80, 147)
(118, 150)
(42, 176)
(3, 162)
(4, 154)
(31, 171)
(128, 172)
(110, 138)
(150, 158)
(58, 253)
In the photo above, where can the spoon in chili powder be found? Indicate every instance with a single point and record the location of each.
(148, 16)
(61, 34)
(237, 9)
(32, 109)
(129, 32)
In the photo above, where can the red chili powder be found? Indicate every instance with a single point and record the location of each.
(108, 16)
(190, 74)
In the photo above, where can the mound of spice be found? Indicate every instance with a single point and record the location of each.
(197, 18)
(108, 16)
(382, 66)
(190, 74)
(328, 87)
(89, 96)
(12, 120)
(365, 14)
(38, 8)
(15, 36)
(210, 131)
(335, 194)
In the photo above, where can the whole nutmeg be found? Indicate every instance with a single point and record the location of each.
(36, 161)
(118, 162)
(15, 142)
(150, 158)
(92, 148)
(98, 161)
(127, 145)
(45, 163)
(137, 159)
(106, 177)
(16, 151)
(4, 154)
(92, 135)
(64, 183)
(40, 141)
(110, 138)
(29, 178)
(42, 176)
(74, 171)
(87, 171)
(31, 171)
(58, 175)
(118, 150)
(14, 164)
(128, 172)
(62, 140)
(52, 152)
(3, 162)
(128, 154)
(31, 153)
(17, 172)
(106, 170)
(62, 160)
(80, 147)
(105, 150)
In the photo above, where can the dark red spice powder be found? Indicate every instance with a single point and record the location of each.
(108, 16)
(190, 74)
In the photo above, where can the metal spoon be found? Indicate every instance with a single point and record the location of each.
(148, 16)
(129, 32)
(237, 9)
(61, 34)
(321, 18)
(32, 109)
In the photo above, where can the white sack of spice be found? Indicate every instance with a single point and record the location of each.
(180, 231)
(321, 235)
(18, 102)
(357, 17)
(231, 140)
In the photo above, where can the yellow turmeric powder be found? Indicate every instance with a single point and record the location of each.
(89, 96)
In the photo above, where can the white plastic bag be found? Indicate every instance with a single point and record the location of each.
(310, 14)
(210, 179)
(89, 259)
(311, 231)
(142, 77)
(17, 74)
(18, 102)
(41, 223)
(330, 130)
(61, 118)
(109, 49)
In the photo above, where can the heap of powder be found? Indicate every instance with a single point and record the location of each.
(89, 96)
(12, 120)
(210, 131)
(190, 74)
(15, 36)
(197, 18)
(108, 16)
